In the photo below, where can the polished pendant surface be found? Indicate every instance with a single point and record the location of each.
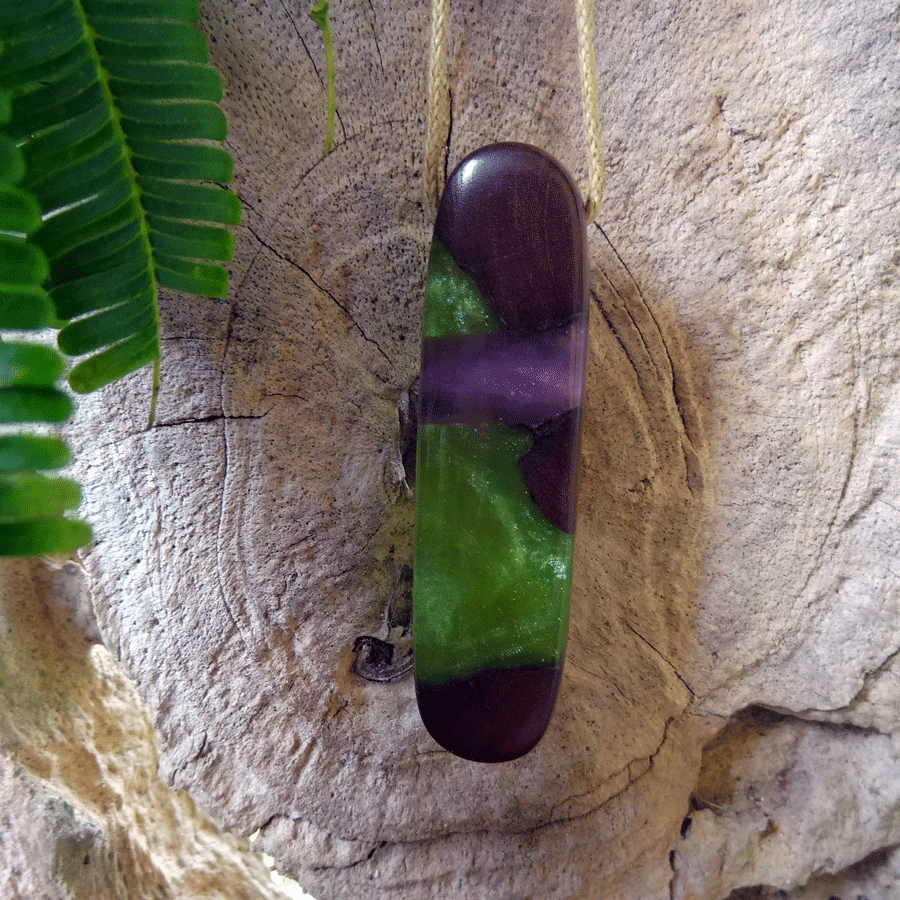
(502, 380)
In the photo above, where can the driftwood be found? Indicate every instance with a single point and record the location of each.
(729, 710)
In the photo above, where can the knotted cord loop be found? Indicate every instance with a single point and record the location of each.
(439, 106)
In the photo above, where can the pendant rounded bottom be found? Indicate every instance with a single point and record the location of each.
(493, 716)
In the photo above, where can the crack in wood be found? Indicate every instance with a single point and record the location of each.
(204, 420)
(323, 289)
(672, 379)
(375, 37)
(663, 658)
(487, 832)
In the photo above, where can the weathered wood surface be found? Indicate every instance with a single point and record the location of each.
(83, 813)
(739, 511)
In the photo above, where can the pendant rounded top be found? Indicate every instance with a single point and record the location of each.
(511, 216)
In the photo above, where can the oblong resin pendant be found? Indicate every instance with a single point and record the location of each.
(502, 380)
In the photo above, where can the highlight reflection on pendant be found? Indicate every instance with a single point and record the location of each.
(502, 380)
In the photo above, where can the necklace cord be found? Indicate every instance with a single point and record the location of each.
(438, 115)
(590, 105)
(438, 106)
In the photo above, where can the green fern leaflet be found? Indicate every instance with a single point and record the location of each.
(114, 108)
(32, 504)
(113, 131)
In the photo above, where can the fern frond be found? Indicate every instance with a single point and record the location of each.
(115, 112)
(32, 505)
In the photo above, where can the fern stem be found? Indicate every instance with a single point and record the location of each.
(90, 38)
(154, 392)
(319, 14)
(329, 66)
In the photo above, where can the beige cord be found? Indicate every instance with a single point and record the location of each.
(439, 106)
(584, 10)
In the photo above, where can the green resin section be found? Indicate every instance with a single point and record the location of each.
(492, 575)
(453, 303)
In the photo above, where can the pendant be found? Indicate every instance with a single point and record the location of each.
(502, 380)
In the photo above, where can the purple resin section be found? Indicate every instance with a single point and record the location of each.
(519, 380)
(549, 470)
(493, 716)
